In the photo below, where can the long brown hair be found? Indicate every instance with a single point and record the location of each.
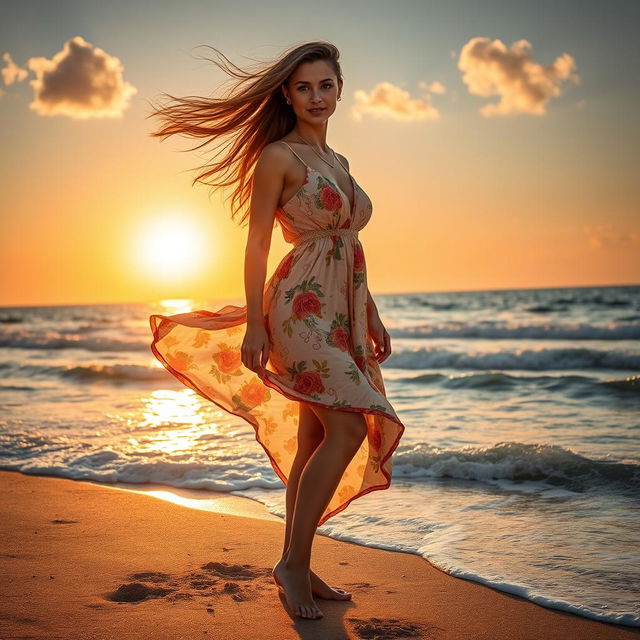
(253, 113)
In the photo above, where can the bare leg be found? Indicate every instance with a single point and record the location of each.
(344, 433)
(310, 435)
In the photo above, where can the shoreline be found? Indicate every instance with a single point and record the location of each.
(81, 560)
(201, 499)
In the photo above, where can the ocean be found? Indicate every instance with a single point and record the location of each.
(519, 467)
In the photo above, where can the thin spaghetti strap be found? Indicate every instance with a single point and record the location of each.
(297, 156)
(337, 157)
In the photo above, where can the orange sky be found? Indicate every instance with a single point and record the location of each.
(479, 178)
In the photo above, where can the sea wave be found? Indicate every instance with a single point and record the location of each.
(511, 465)
(524, 359)
(58, 341)
(585, 331)
(517, 462)
(497, 380)
(93, 372)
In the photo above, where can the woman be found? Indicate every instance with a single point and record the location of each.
(312, 332)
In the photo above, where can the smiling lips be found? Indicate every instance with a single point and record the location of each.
(316, 110)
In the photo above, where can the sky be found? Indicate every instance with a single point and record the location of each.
(498, 142)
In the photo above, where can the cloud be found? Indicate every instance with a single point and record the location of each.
(606, 236)
(388, 101)
(12, 72)
(433, 87)
(524, 86)
(81, 82)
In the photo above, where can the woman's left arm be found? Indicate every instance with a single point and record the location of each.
(372, 310)
(378, 333)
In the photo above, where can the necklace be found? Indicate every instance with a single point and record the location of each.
(314, 150)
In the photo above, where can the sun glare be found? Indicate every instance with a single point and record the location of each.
(171, 249)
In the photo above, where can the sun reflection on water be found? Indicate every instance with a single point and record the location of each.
(178, 422)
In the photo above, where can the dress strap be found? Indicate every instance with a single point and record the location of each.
(297, 156)
(340, 161)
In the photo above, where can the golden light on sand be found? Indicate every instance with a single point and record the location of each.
(171, 248)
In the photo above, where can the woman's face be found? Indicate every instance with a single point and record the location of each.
(313, 84)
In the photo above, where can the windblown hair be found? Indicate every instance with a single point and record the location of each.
(253, 113)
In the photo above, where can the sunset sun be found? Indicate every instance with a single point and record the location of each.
(171, 248)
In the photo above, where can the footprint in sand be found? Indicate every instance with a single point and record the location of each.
(360, 585)
(390, 628)
(136, 592)
(64, 522)
(212, 579)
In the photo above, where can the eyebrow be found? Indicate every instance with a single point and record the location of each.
(307, 82)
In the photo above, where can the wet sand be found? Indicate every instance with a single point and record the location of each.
(81, 560)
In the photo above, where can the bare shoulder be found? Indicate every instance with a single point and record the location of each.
(275, 151)
(273, 163)
(344, 160)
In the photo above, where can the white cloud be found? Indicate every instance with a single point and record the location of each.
(386, 100)
(433, 87)
(12, 72)
(523, 85)
(81, 82)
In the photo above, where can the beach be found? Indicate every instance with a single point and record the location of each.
(83, 560)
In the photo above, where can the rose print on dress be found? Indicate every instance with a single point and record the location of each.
(309, 382)
(201, 339)
(291, 445)
(305, 299)
(290, 410)
(328, 197)
(339, 333)
(270, 423)
(180, 360)
(306, 304)
(227, 362)
(251, 395)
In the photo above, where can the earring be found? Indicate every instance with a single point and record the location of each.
(339, 98)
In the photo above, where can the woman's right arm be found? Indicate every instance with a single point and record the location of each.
(268, 181)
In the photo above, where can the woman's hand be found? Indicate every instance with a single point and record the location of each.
(380, 336)
(255, 347)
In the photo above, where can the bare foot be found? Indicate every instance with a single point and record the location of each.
(296, 586)
(321, 589)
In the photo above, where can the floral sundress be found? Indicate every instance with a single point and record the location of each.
(320, 352)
